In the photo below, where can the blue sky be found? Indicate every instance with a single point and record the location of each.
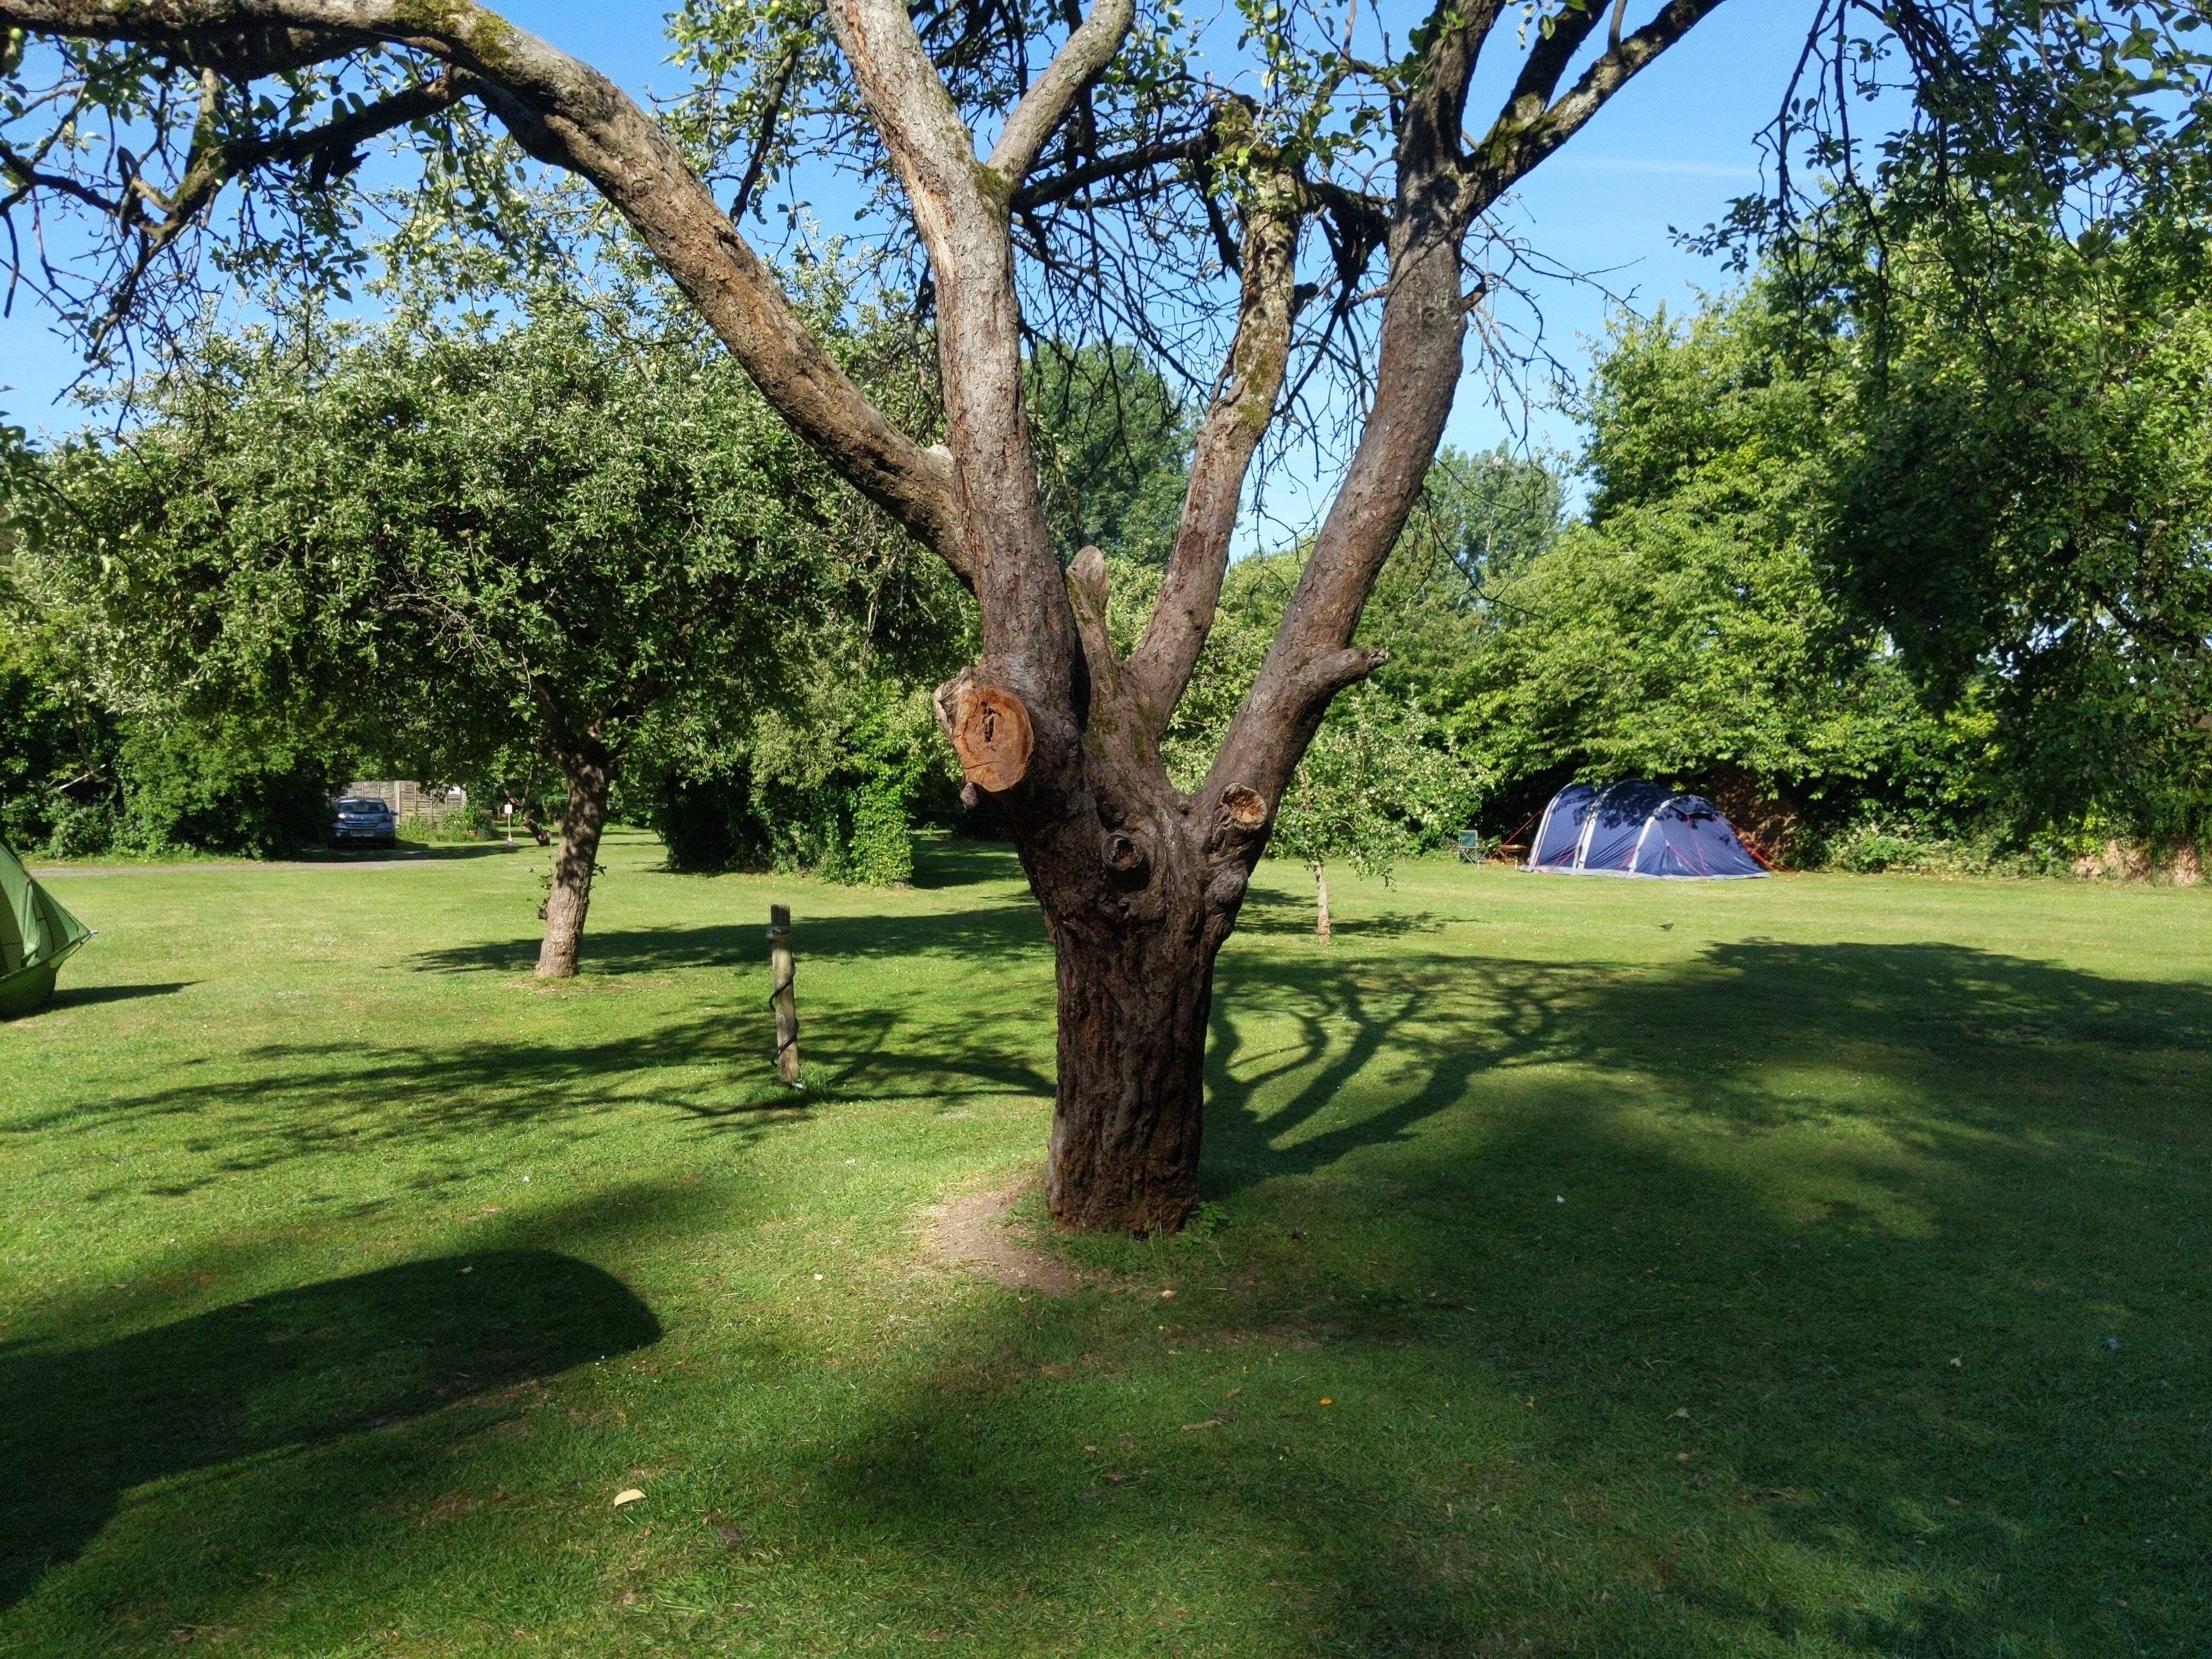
(1668, 153)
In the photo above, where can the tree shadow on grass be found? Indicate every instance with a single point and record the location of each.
(1270, 912)
(1760, 1449)
(79, 996)
(298, 1368)
(1796, 1366)
(999, 931)
(405, 852)
(284, 1103)
(1983, 1035)
(942, 863)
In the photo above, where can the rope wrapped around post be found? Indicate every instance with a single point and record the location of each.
(782, 998)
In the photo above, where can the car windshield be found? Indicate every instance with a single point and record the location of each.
(360, 806)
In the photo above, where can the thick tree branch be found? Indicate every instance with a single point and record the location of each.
(911, 110)
(1528, 130)
(1160, 666)
(961, 210)
(1043, 106)
(568, 114)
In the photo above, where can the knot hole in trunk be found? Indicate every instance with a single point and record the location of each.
(1129, 867)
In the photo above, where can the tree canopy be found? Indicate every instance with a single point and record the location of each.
(467, 546)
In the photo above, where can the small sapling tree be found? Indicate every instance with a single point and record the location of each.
(1378, 784)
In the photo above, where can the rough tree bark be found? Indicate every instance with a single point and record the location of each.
(1139, 882)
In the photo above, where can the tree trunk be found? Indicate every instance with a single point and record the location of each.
(1132, 1087)
(1320, 902)
(590, 772)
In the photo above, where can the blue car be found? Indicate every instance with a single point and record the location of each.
(355, 818)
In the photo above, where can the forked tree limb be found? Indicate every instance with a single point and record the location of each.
(1160, 666)
(1440, 188)
(1422, 332)
(1548, 60)
(564, 111)
(1526, 130)
(1087, 50)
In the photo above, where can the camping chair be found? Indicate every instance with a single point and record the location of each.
(1470, 847)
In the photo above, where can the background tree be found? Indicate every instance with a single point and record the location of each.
(2025, 508)
(828, 783)
(1117, 188)
(1481, 520)
(1113, 442)
(1682, 631)
(455, 541)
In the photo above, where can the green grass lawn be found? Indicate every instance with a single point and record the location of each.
(1818, 1266)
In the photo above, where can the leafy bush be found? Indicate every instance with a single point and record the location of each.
(705, 823)
(77, 779)
(186, 787)
(58, 790)
(829, 788)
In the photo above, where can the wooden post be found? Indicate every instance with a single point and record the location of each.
(782, 998)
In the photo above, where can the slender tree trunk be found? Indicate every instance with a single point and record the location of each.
(1320, 902)
(590, 772)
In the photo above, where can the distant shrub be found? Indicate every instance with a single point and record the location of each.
(1876, 848)
(831, 792)
(185, 787)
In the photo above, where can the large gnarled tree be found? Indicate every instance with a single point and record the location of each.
(1338, 187)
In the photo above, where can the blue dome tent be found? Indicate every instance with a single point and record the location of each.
(1638, 828)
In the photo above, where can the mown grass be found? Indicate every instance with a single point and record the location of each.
(1588, 1267)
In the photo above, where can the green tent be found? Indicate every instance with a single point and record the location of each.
(36, 937)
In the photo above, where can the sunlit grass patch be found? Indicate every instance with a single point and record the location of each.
(1746, 1286)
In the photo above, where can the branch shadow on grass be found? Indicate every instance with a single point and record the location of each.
(1989, 1035)
(284, 1102)
(301, 1367)
(1785, 1372)
(1006, 929)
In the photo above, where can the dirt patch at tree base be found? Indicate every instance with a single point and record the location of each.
(977, 1232)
